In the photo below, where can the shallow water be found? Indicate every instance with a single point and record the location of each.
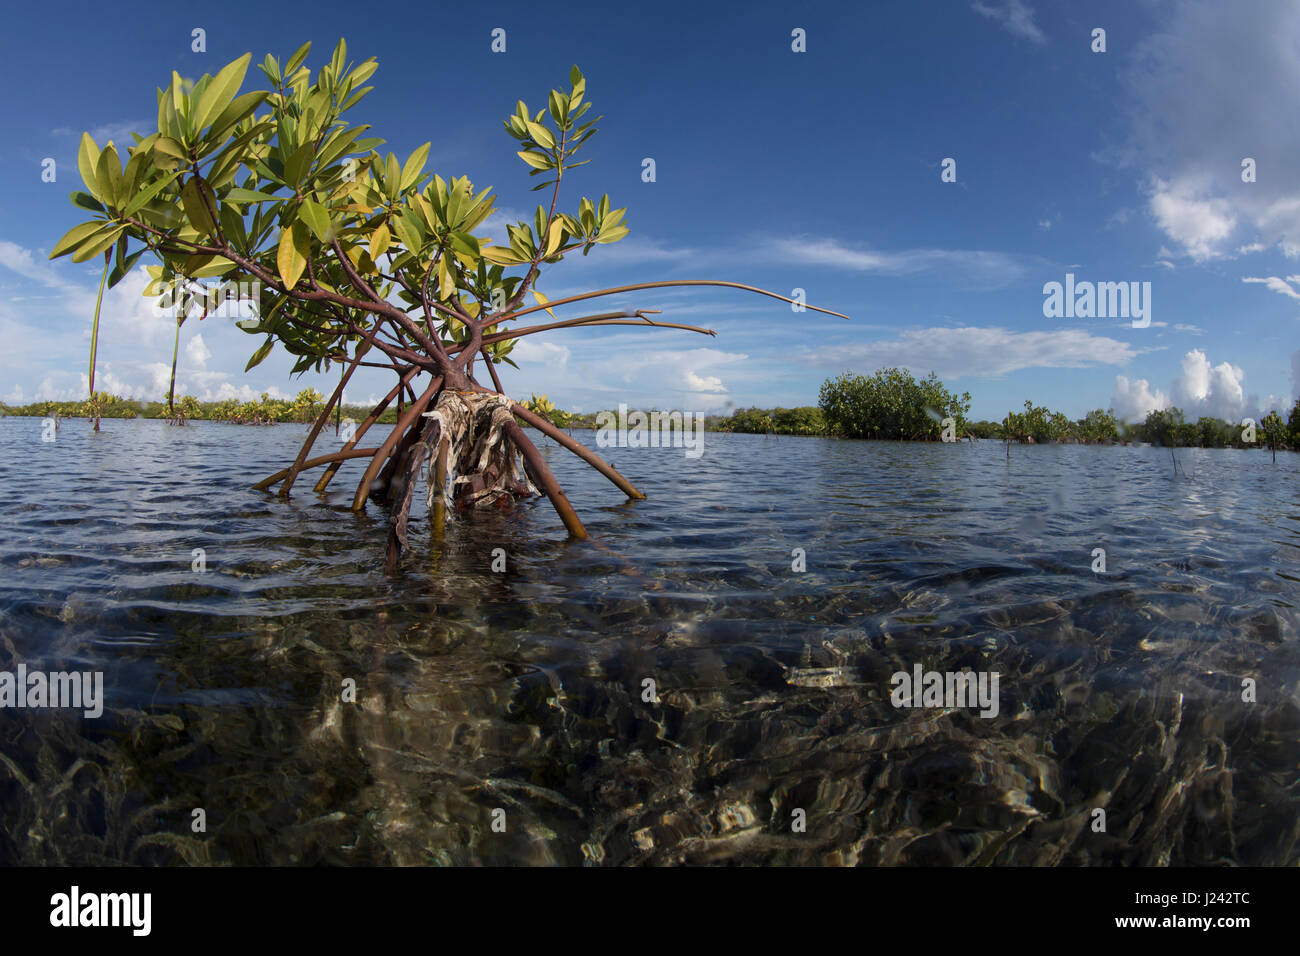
(519, 698)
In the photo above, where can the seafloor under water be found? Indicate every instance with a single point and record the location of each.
(525, 691)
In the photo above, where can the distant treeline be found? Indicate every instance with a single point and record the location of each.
(891, 404)
(303, 408)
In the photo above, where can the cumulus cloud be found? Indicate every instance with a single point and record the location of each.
(1133, 399)
(1201, 388)
(982, 352)
(693, 382)
(196, 352)
(1209, 88)
(1215, 390)
(243, 393)
(534, 353)
(1191, 218)
(1014, 16)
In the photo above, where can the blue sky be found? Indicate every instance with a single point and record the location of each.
(818, 170)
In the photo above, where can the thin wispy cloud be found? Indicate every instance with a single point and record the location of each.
(977, 352)
(1014, 16)
(1276, 284)
(963, 265)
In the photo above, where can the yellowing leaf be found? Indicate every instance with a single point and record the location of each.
(446, 280)
(291, 256)
(542, 300)
(553, 238)
(379, 240)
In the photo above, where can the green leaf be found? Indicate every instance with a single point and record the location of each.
(408, 230)
(363, 72)
(295, 61)
(262, 352)
(392, 176)
(541, 135)
(219, 266)
(193, 194)
(296, 168)
(502, 256)
(169, 153)
(271, 69)
(317, 219)
(291, 256)
(536, 160)
(75, 237)
(239, 109)
(221, 91)
(559, 106)
(85, 201)
(93, 247)
(108, 175)
(123, 269)
(414, 167)
(140, 198)
(87, 161)
(240, 195)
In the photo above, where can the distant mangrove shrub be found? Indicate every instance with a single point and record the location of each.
(891, 404)
(806, 420)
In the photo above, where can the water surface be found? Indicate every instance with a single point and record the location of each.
(525, 691)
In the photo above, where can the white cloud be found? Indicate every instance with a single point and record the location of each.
(979, 352)
(196, 352)
(17, 259)
(1276, 284)
(996, 268)
(693, 382)
(1200, 389)
(532, 353)
(1209, 90)
(1133, 399)
(1203, 389)
(1014, 16)
(1198, 224)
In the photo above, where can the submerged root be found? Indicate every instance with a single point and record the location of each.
(472, 461)
(483, 465)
